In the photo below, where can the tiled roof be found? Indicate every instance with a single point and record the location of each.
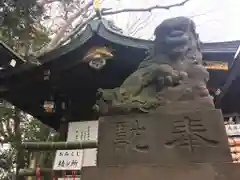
(224, 47)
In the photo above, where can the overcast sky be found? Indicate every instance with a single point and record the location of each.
(216, 20)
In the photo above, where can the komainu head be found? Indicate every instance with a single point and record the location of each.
(177, 36)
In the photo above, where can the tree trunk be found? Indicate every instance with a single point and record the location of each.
(20, 151)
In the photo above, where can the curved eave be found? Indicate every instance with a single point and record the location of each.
(102, 29)
(7, 55)
(232, 81)
(92, 29)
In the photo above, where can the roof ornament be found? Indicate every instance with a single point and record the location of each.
(97, 57)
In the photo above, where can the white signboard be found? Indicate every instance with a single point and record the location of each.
(83, 131)
(68, 160)
(233, 129)
(89, 157)
(76, 159)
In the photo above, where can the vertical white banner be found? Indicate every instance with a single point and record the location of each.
(83, 131)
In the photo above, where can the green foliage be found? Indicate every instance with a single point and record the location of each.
(31, 129)
(20, 27)
(21, 30)
(17, 15)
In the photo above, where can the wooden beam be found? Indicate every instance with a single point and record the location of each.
(43, 171)
(50, 146)
(32, 172)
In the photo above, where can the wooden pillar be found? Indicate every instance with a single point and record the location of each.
(63, 130)
(20, 150)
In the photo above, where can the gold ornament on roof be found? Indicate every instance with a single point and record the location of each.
(97, 57)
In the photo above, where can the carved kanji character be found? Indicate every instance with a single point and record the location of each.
(137, 137)
(188, 133)
(121, 139)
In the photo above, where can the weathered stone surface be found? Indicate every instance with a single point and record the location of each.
(182, 106)
(173, 72)
(204, 171)
(176, 138)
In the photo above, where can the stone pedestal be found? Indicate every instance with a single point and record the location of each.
(176, 138)
(182, 144)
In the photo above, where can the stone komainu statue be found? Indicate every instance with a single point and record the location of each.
(173, 73)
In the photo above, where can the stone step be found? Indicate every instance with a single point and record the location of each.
(202, 171)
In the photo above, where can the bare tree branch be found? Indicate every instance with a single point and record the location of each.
(77, 29)
(68, 23)
(46, 2)
(140, 25)
(149, 9)
(57, 40)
